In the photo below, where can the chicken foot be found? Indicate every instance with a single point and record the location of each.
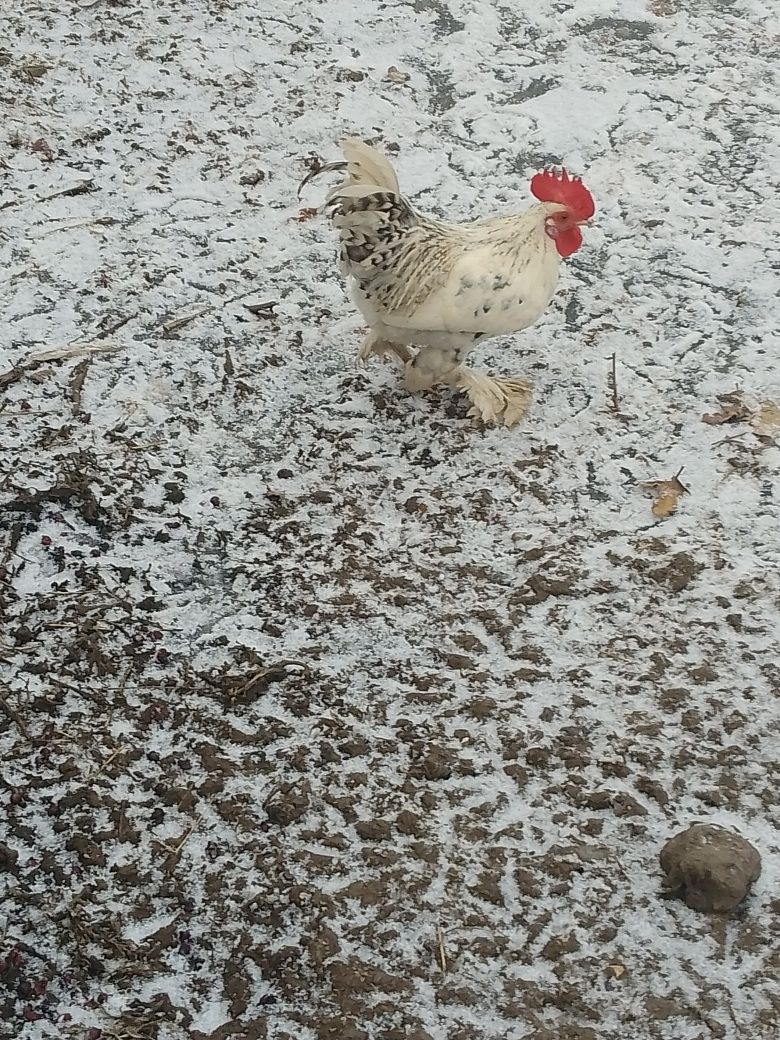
(500, 401)
(372, 345)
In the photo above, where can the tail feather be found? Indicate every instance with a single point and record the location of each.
(365, 168)
(365, 165)
(370, 214)
(354, 191)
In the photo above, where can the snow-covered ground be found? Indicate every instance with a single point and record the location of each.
(325, 714)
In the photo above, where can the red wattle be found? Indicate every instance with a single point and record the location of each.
(568, 242)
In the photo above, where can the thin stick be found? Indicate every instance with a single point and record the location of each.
(93, 222)
(615, 398)
(106, 764)
(80, 188)
(176, 323)
(13, 375)
(176, 850)
(30, 411)
(14, 717)
(76, 384)
(128, 670)
(186, 838)
(730, 440)
(441, 951)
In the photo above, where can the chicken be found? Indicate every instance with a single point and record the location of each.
(443, 287)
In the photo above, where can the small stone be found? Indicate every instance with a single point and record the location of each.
(482, 707)
(598, 799)
(89, 852)
(518, 773)
(711, 866)
(460, 663)
(627, 805)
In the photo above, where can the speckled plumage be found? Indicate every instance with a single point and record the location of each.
(438, 286)
(415, 275)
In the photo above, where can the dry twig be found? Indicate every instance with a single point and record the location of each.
(104, 765)
(14, 716)
(440, 949)
(174, 851)
(13, 375)
(173, 324)
(612, 383)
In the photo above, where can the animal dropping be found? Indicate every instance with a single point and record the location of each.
(442, 287)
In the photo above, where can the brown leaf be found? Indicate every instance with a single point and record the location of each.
(44, 148)
(732, 409)
(667, 494)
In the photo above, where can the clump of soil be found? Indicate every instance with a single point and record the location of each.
(712, 867)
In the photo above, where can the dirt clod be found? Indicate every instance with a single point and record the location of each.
(437, 764)
(288, 807)
(556, 947)
(374, 830)
(408, 822)
(88, 851)
(713, 868)
(8, 858)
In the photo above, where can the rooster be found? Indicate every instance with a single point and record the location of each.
(443, 287)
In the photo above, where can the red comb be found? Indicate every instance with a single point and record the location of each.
(569, 191)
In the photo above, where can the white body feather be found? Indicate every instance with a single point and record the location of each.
(422, 282)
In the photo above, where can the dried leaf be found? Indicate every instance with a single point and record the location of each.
(665, 503)
(172, 324)
(396, 76)
(32, 71)
(767, 419)
(732, 409)
(44, 148)
(82, 187)
(76, 383)
(667, 494)
(262, 310)
(305, 214)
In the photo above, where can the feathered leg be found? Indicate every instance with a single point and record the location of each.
(501, 401)
(432, 365)
(381, 347)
